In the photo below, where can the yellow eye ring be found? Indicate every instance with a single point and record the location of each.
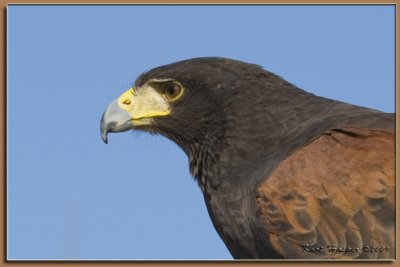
(173, 91)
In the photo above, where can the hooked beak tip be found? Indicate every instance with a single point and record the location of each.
(114, 120)
(104, 137)
(104, 129)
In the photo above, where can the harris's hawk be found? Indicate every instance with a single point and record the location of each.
(284, 173)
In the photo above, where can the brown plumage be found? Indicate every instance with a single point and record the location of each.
(335, 193)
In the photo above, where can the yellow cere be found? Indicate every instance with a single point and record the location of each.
(144, 105)
(125, 100)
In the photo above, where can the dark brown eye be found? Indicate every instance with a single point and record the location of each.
(172, 91)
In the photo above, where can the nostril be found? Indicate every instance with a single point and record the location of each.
(126, 102)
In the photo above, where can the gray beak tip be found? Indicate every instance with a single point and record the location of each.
(114, 120)
(104, 137)
(104, 130)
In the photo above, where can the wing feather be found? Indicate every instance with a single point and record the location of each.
(337, 192)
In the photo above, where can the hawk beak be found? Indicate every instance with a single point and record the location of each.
(133, 110)
(115, 119)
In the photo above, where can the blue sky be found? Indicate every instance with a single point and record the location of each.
(72, 197)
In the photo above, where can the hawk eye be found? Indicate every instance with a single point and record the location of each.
(172, 91)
